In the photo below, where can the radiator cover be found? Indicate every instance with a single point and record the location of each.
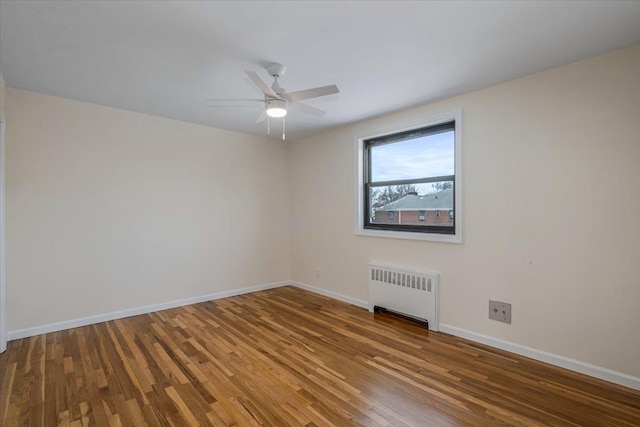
(408, 291)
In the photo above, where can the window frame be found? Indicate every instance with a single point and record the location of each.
(427, 233)
(368, 183)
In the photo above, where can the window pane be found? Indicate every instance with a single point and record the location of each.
(412, 204)
(423, 157)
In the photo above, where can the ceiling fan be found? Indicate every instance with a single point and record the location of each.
(277, 101)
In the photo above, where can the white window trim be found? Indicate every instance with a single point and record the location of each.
(359, 154)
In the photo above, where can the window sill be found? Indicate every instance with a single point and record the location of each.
(432, 237)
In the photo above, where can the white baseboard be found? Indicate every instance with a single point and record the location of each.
(330, 294)
(550, 358)
(75, 323)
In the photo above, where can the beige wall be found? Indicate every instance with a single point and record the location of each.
(111, 210)
(546, 158)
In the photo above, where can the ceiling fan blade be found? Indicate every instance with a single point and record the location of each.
(303, 108)
(262, 117)
(262, 85)
(236, 106)
(233, 99)
(313, 93)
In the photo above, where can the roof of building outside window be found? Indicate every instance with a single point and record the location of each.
(442, 200)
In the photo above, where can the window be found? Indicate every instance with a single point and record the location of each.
(392, 215)
(411, 171)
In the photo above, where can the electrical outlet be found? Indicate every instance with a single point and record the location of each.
(500, 311)
(316, 273)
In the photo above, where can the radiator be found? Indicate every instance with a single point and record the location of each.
(407, 291)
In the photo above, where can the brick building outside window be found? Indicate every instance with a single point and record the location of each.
(413, 209)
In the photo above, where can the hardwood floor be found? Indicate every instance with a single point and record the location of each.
(289, 357)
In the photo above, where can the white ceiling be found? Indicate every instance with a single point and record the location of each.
(164, 58)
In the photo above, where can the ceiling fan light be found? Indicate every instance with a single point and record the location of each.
(276, 108)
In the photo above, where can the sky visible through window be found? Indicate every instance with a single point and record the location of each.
(428, 156)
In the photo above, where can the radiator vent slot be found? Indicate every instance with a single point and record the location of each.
(407, 291)
(413, 281)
